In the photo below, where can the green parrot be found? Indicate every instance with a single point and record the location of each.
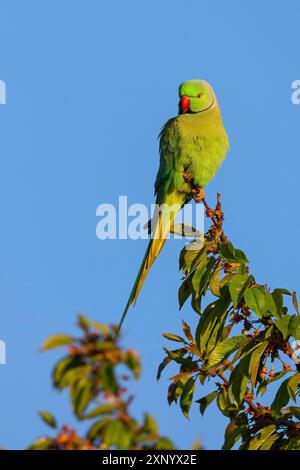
(192, 147)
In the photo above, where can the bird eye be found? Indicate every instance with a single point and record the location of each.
(199, 95)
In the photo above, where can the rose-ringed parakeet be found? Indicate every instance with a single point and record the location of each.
(192, 147)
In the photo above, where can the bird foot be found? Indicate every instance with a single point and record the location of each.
(198, 194)
(187, 177)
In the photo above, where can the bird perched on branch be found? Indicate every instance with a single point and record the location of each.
(192, 147)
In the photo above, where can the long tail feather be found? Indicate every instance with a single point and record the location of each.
(155, 246)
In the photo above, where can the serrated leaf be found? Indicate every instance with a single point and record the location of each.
(295, 302)
(48, 418)
(282, 291)
(204, 402)
(100, 410)
(186, 397)
(185, 230)
(293, 410)
(238, 286)
(82, 394)
(115, 434)
(56, 341)
(150, 425)
(292, 385)
(211, 325)
(262, 437)
(283, 325)
(293, 443)
(173, 337)
(224, 349)
(267, 445)
(271, 305)
(184, 292)
(163, 443)
(190, 255)
(60, 369)
(282, 397)
(104, 329)
(255, 300)
(294, 327)
(255, 359)
(97, 428)
(224, 403)
(200, 281)
(227, 252)
(236, 429)
(162, 365)
(214, 283)
(43, 443)
(187, 331)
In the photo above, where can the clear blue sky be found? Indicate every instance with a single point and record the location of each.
(89, 85)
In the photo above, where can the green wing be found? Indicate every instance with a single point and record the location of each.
(169, 175)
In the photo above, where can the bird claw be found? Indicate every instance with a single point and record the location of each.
(198, 194)
(187, 178)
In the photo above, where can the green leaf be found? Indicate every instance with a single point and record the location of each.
(97, 428)
(262, 437)
(240, 375)
(282, 291)
(173, 337)
(184, 292)
(132, 361)
(104, 329)
(60, 369)
(267, 445)
(238, 286)
(271, 305)
(108, 378)
(224, 349)
(185, 230)
(295, 302)
(48, 418)
(43, 443)
(150, 426)
(83, 321)
(56, 341)
(174, 391)
(238, 386)
(293, 444)
(240, 256)
(283, 325)
(293, 410)
(206, 401)
(294, 327)
(163, 443)
(211, 325)
(82, 394)
(115, 434)
(224, 403)
(255, 359)
(162, 366)
(255, 300)
(278, 299)
(200, 281)
(100, 410)
(237, 428)
(282, 397)
(292, 385)
(214, 283)
(190, 256)
(187, 396)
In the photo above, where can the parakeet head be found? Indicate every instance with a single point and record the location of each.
(195, 96)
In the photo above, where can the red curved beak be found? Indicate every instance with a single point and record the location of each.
(184, 104)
